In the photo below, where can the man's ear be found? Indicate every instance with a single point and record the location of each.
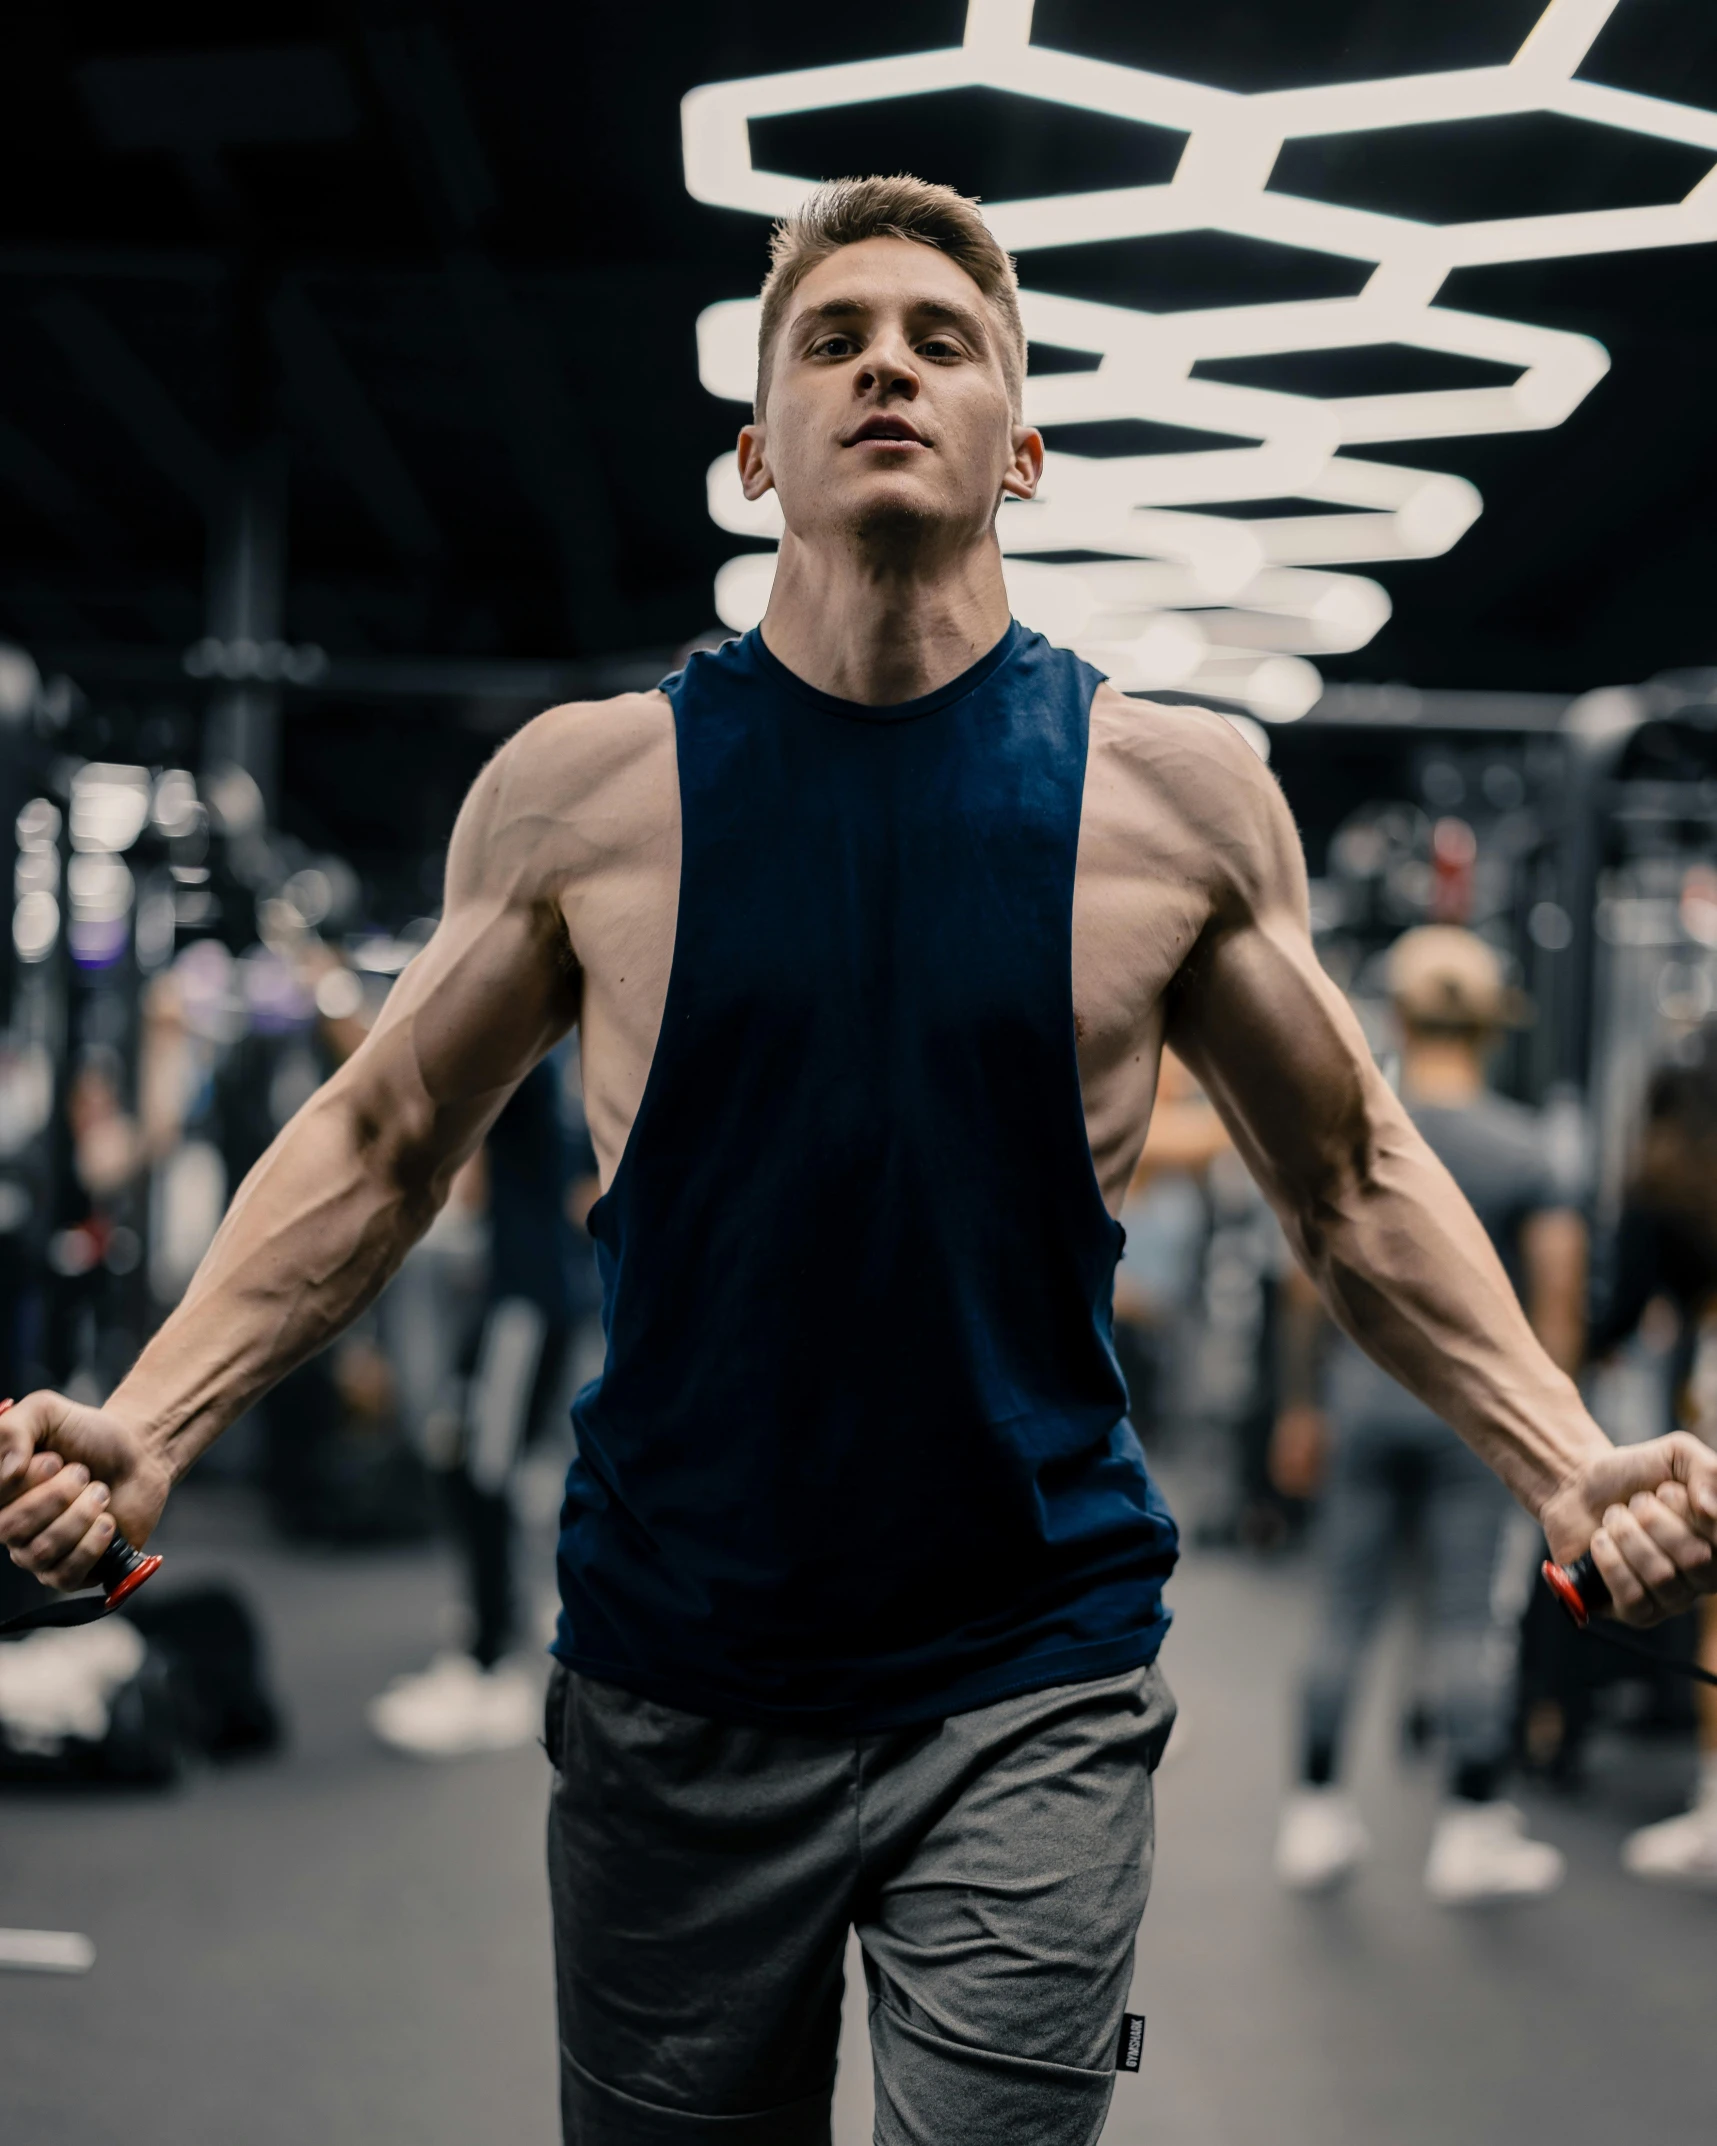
(1025, 469)
(754, 474)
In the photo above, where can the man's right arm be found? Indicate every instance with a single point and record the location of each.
(1401, 1261)
(331, 1209)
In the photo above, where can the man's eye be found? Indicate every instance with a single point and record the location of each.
(938, 346)
(833, 346)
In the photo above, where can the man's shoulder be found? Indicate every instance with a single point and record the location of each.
(579, 756)
(1195, 754)
(1189, 773)
(581, 738)
(579, 783)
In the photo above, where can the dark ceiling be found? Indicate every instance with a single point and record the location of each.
(448, 250)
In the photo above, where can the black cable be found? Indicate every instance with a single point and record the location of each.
(1581, 1591)
(1650, 1654)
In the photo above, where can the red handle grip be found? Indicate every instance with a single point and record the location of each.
(1579, 1588)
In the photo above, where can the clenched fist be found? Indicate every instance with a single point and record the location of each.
(1648, 1515)
(69, 1477)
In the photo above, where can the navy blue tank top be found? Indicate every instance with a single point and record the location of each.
(859, 1455)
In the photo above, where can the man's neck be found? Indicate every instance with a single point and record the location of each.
(1441, 1070)
(883, 633)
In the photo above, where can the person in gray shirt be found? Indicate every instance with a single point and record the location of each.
(1391, 1462)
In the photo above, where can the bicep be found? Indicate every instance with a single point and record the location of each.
(487, 997)
(1272, 1041)
(1278, 1051)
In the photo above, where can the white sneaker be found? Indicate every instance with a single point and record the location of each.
(1320, 1841)
(453, 1708)
(1480, 1852)
(1679, 1851)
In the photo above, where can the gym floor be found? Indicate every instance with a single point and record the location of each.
(343, 1947)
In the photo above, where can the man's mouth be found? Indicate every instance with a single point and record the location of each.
(887, 431)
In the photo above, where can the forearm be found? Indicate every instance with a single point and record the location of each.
(1407, 1270)
(316, 1230)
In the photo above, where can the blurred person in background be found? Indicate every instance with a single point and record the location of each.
(1664, 1256)
(428, 1314)
(1166, 1218)
(1386, 1460)
(474, 1339)
(476, 1697)
(336, 1467)
(1197, 1296)
(115, 1153)
(25, 1090)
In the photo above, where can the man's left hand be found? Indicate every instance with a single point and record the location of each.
(1648, 1516)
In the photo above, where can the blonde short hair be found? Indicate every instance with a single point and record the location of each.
(848, 211)
(1442, 977)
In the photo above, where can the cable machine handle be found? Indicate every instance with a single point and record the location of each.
(1579, 1588)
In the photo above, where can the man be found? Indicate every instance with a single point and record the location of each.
(873, 923)
(1393, 1456)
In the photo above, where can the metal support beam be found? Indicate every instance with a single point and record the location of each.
(130, 392)
(125, 264)
(420, 84)
(34, 478)
(327, 391)
(495, 692)
(532, 409)
(535, 418)
(247, 602)
(1402, 707)
(242, 501)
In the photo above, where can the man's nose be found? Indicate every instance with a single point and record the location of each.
(890, 367)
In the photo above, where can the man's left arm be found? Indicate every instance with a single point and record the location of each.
(1398, 1256)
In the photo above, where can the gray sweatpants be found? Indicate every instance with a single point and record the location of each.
(704, 1877)
(1384, 1478)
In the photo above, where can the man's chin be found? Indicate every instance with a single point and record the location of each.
(891, 515)
(899, 512)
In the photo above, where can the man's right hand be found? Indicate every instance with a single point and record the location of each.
(69, 1476)
(333, 1205)
(1647, 1514)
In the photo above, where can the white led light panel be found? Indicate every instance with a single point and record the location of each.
(1196, 599)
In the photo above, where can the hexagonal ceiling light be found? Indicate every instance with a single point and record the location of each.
(1199, 601)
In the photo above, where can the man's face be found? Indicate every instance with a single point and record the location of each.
(888, 416)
